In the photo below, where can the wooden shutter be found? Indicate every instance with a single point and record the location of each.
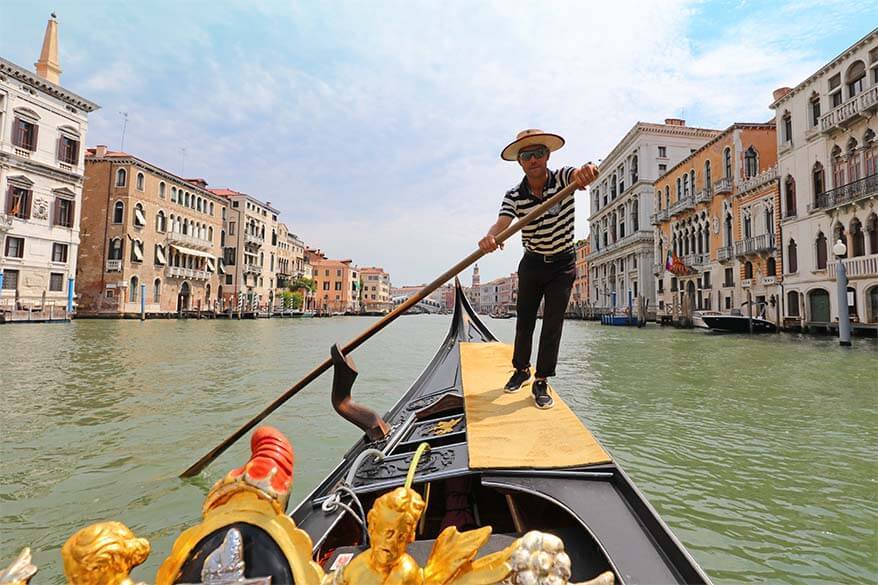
(16, 132)
(28, 195)
(33, 146)
(56, 216)
(59, 154)
(71, 214)
(9, 199)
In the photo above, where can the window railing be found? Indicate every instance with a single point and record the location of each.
(859, 267)
(253, 238)
(841, 114)
(114, 266)
(869, 98)
(847, 193)
(704, 195)
(252, 268)
(189, 240)
(769, 280)
(759, 180)
(724, 185)
(659, 216)
(693, 260)
(685, 203)
(754, 245)
(724, 254)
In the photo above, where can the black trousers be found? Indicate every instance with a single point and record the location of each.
(539, 280)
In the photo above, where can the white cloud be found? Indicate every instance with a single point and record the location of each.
(376, 128)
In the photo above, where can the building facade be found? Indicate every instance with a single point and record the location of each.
(251, 249)
(828, 170)
(718, 225)
(579, 296)
(43, 129)
(375, 289)
(338, 285)
(151, 241)
(621, 257)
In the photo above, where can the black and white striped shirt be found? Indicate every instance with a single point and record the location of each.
(553, 232)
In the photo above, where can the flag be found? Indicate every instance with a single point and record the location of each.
(669, 262)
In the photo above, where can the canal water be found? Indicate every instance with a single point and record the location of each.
(760, 453)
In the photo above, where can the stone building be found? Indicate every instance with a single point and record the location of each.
(718, 224)
(375, 289)
(579, 295)
(621, 257)
(42, 133)
(828, 170)
(338, 285)
(250, 249)
(150, 239)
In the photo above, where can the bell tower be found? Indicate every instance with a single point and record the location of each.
(48, 66)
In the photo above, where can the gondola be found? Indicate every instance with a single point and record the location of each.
(738, 324)
(491, 490)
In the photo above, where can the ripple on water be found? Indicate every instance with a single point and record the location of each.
(760, 453)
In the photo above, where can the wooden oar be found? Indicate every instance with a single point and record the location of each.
(375, 328)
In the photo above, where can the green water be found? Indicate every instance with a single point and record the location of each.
(760, 453)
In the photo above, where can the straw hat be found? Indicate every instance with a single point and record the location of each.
(530, 137)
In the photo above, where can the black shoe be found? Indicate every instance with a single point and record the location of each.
(542, 398)
(518, 378)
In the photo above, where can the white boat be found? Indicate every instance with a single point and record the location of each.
(697, 320)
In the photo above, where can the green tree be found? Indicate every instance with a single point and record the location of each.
(292, 298)
(301, 282)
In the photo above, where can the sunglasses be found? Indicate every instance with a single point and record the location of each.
(529, 154)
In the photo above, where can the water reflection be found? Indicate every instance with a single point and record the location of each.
(760, 453)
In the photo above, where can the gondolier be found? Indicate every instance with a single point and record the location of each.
(548, 268)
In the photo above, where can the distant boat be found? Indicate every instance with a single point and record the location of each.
(738, 324)
(697, 320)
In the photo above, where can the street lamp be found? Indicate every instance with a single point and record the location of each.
(844, 318)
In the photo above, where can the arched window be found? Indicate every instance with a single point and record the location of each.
(872, 229)
(787, 121)
(136, 251)
(121, 177)
(119, 212)
(708, 183)
(156, 290)
(139, 218)
(211, 208)
(210, 233)
(679, 188)
(748, 269)
(838, 233)
(727, 162)
(818, 181)
(793, 303)
(140, 181)
(173, 194)
(855, 165)
(838, 167)
(186, 199)
(160, 221)
(751, 162)
(198, 203)
(667, 197)
(790, 196)
(855, 78)
(770, 266)
(814, 109)
(635, 215)
(162, 190)
(858, 239)
(728, 229)
(134, 290)
(222, 238)
(821, 251)
(692, 180)
(115, 252)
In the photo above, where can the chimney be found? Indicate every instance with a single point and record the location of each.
(675, 122)
(101, 150)
(780, 92)
(268, 203)
(48, 66)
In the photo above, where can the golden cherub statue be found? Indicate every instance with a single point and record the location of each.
(392, 522)
(103, 554)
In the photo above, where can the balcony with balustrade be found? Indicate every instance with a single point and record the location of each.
(724, 254)
(859, 267)
(704, 196)
(189, 273)
(685, 203)
(254, 239)
(659, 216)
(760, 244)
(722, 186)
(696, 260)
(843, 115)
(850, 193)
(189, 241)
(869, 99)
(252, 269)
(758, 181)
(114, 265)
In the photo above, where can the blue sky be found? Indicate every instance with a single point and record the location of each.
(375, 127)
